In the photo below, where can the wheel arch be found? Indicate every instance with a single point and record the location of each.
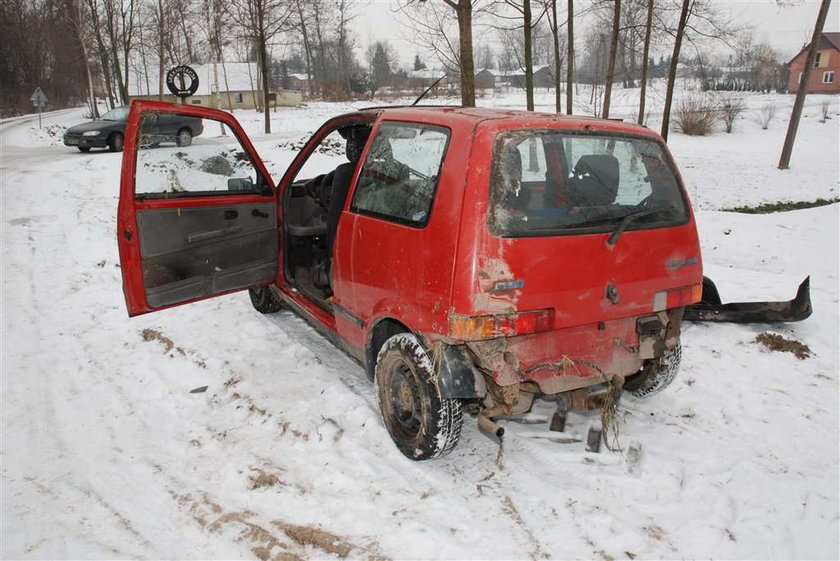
(383, 329)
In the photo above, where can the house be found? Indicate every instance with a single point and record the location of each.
(426, 77)
(298, 82)
(825, 75)
(490, 79)
(239, 87)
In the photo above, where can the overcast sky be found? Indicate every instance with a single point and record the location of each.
(785, 28)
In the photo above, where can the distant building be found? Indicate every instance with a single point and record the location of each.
(299, 82)
(825, 76)
(238, 84)
(489, 78)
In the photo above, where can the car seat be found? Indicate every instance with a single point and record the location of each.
(595, 180)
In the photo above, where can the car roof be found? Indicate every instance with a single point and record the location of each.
(508, 116)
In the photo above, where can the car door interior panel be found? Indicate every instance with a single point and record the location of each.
(192, 252)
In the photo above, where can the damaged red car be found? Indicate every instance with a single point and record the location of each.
(469, 259)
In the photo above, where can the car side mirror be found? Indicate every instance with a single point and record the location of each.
(240, 184)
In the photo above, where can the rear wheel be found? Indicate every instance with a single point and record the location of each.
(115, 142)
(656, 375)
(184, 137)
(264, 300)
(421, 423)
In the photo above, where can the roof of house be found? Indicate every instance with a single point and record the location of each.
(828, 39)
(299, 76)
(233, 77)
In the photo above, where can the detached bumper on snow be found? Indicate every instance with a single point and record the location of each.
(710, 307)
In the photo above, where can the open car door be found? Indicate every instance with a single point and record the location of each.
(196, 219)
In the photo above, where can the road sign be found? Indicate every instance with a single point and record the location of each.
(38, 98)
(182, 81)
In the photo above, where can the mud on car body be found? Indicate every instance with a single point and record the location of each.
(467, 258)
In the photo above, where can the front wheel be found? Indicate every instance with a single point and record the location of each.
(264, 300)
(184, 137)
(421, 423)
(115, 142)
(656, 375)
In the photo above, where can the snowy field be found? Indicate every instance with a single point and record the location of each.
(107, 454)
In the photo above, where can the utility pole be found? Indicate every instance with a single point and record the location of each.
(787, 149)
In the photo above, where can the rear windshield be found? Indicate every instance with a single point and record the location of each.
(556, 182)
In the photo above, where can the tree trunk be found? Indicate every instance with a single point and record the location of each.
(529, 56)
(466, 53)
(264, 71)
(570, 62)
(307, 50)
(645, 59)
(103, 52)
(802, 90)
(558, 64)
(611, 62)
(672, 71)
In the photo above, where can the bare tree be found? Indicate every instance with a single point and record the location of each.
(260, 21)
(570, 63)
(672, 71)
(120, 16)
(77, 18)
(645, 60)
(790, 137)
(611, 61)
(433, 27)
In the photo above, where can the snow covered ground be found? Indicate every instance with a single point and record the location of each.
(106, 453)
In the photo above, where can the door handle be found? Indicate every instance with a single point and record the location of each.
(259, 214)
(231, 214)
(212, 234)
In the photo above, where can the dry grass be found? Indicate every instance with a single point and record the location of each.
(776, 342)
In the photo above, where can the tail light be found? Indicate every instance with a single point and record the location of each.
(475, 328)
(677, 297)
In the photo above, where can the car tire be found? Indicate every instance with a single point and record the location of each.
(83, 148)
(421, 423)
(264, 300)
(656, 375)
(115, 142)
(184, 137)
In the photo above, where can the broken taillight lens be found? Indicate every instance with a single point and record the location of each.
(474, 328)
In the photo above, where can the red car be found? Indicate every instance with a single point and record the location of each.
(468, 258)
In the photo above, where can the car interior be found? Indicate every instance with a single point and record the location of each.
(312, 208)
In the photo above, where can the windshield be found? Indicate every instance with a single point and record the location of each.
(118, 114)
(558, 182)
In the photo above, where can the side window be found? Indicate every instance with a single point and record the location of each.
(401, 172)
(329, 154)
(191, 156)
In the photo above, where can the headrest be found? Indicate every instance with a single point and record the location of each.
(596, 180)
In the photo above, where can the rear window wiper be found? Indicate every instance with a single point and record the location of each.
(625, 222)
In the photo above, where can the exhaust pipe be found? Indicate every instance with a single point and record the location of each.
(488, 426)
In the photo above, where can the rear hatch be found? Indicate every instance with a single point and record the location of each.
(580, 226)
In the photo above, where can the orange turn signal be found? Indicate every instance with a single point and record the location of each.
(475, 328)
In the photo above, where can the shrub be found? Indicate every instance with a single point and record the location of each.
(766, 115)
(695, 116)
(730, 109)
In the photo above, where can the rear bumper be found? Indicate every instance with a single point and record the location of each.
(576, 357)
